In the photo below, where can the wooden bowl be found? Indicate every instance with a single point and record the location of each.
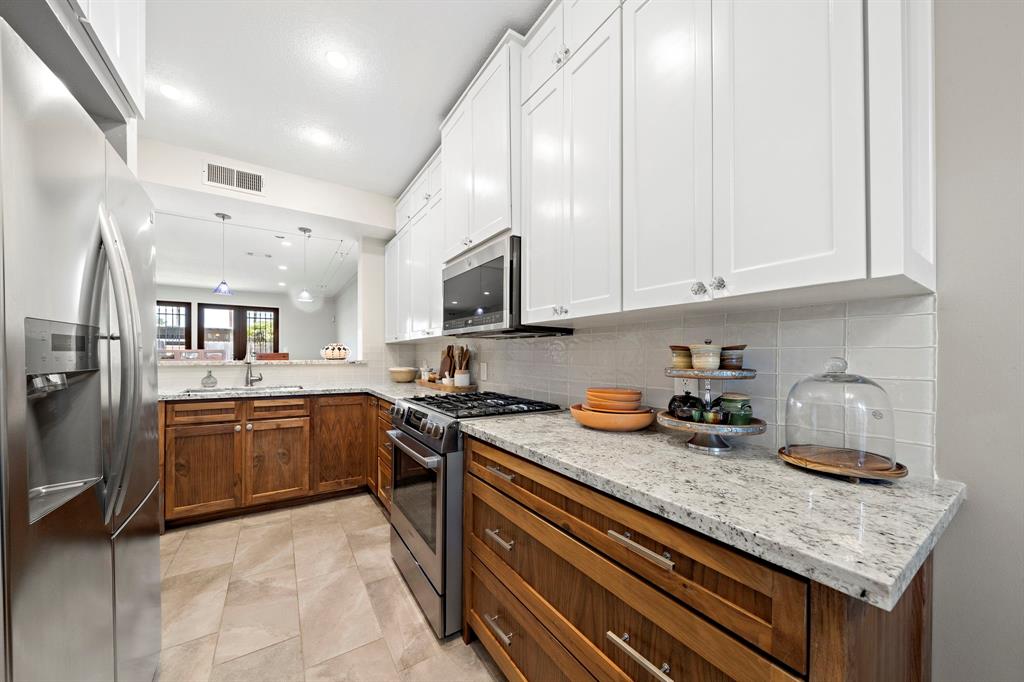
(638, 410)
(620, 394)
(613, 405)
(403, 375)
(603, 421)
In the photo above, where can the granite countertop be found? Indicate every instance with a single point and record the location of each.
(242, 363)
(388, 390)
(865, 540)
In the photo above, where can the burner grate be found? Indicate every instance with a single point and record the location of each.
(483, 404)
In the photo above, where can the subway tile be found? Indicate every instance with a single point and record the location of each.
(906, 330)
(763, 386)
(753, 334)
(761, 359)
(812, 333)
(910, 395)
(752, 316)
(893, 306)
(893, 363)
(813, 312)
(806, 360)
(919, 459)
(915, 427)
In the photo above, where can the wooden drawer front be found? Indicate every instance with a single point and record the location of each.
(384, 482)
(202, 469)
(384, 445)
(519, 644)
(278, 408)
(764, 606)
(277, 460)
(586, 601)
(383, 408)
(203, 412)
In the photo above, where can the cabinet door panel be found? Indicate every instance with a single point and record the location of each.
(457, 168)
(789, 184)
(435, 179)
(403, 328)
(542, 52)
(202, 469)
(582, 18)
(391, 265)
(666, 153)
(544, 202)
(593, 214)
(277, 460)
(491, 210)
(370, 424)
(339, 453)
(418, 195)
(419, 274)
(433, 228)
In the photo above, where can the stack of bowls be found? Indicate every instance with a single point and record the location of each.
(613, 409)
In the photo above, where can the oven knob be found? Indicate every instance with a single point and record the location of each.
(424, 426)
(392, 410)
(437, 431)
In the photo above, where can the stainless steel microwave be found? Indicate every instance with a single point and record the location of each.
(481, 291)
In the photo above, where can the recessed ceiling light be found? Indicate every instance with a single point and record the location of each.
(286, 243)
(337, 60)
(282, 267)
(487, 293)
(317, 137)
(282, 284)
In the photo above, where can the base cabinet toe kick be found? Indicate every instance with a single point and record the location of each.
(561, 581)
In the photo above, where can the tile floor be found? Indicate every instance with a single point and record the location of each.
(307, 593)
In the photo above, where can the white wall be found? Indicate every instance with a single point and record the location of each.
(370, 283)
(346, 315)
(303, 330)
(979, 563)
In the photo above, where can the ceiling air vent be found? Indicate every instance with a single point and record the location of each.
(233, 178)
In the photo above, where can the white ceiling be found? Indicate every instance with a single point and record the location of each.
(189, 246)
(254, 79)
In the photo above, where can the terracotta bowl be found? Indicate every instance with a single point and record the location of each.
(613, 405)
(638, 410)
(603, 421)
(620, 394)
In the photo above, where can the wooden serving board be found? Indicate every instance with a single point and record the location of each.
(842, 462)
(438, 386)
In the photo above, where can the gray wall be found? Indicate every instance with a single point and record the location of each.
(346, 316)
(303, 331)
(979, 564)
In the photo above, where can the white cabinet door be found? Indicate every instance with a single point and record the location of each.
(488, 101)
(544, 193)
(391, 267)
(419, 302)
(435, 178)
(434, 229)
(582, 18)
(119, 28)
(593, 127)
(666, 151)
(788, 143)
(418, 195)
(542, 54)
(405, 271)
(457, 167)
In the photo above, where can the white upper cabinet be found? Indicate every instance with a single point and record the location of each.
(419, 274)
(582, 18)
(572, 186)
(434, 228)
(404, 284)
(118, 29)
(666, 151)
(481, 172)
(391, 268)
(435, 178)
(789, 206)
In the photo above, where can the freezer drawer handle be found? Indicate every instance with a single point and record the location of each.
(492, 621)
(660, 560)
(659, 673)
(494, 534)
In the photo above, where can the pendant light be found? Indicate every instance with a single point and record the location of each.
(304, 295)
(223, 289)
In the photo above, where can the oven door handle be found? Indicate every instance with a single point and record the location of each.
(432, 462)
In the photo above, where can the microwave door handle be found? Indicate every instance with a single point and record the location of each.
(432, 462)
(127, 341)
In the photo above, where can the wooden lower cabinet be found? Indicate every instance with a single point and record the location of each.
(277, 460)
(380, 462)
(384, 482)
(202, 469)
(339, 442)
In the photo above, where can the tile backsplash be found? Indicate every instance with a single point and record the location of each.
(889, 340)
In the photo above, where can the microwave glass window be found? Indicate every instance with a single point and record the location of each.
(476, 293)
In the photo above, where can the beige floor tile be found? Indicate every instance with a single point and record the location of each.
(193, 603)
(360, 513)
(169, 544)
(455, 663)
(279, 663)
(188, 662)
(205, 546)
(407, 633)
(336, 615)
(372, 549)
(368, 663)
(263, 548)
(263, 518)
(320, 549)
(260, 610)
(316, 514)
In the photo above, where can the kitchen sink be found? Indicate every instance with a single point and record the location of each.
(240, 389)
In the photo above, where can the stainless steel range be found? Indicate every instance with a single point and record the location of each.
(426, 502)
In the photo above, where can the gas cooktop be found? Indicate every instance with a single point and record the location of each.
(483, 404)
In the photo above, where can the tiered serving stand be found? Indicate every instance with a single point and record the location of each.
(710, 438)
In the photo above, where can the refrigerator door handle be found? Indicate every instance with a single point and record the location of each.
(126, 320)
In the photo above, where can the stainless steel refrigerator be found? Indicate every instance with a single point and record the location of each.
(78, 428)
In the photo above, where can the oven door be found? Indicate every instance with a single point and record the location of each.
(479, 289)
(417, 503)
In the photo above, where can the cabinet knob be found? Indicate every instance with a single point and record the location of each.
(554, 310)
(557, 59)
(248, 427)
(717, 283)
(426, 197)
(238, 427)
(698, 289)
(565, 51)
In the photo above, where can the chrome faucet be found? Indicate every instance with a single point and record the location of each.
(251, 380)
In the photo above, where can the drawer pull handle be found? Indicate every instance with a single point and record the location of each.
(636, 548)
(499, 473)
(494, 535)
(492, 621)
(659, 673)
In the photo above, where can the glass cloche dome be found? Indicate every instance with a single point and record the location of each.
(841, 423)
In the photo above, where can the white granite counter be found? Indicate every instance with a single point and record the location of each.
(865, 540)
(390, 391)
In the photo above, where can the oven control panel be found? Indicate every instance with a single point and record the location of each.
(431, 431)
